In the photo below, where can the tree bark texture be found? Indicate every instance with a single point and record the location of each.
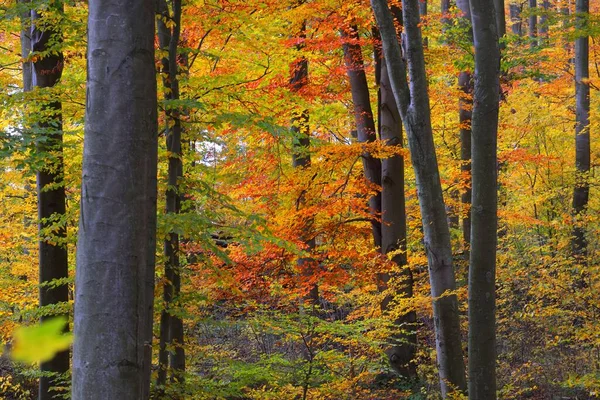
(117, 228)
(365, 123)
(484, 221)
(413, 106)
(51, 198)
(393, 227)
(171, 326)
(581, 192)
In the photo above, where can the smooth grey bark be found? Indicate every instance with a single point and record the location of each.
(300, 129)
(365, 123)
(581, 192)
(171, 326)
(515, 18)
(117, 228)
(413, 106)
(51, 198)
(393, 227)
(484, 220)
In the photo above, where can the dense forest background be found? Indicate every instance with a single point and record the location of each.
(273, 275)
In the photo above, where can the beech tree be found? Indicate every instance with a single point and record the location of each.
(484, 220)
(53, 264)
(363, 117)
(581, 192)
(117, 239)
(171, 325)
(413, 107)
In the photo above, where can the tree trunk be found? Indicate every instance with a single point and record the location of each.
(465, 105)
(413, 106)
(117, 229)
(544, 21)
(393, 227)
(171, 326)
(301, 159)
(582, 131)
(484, 221)
(365, 124)
(533, 23)
(53, 262)
(500, 17)
(515, 18)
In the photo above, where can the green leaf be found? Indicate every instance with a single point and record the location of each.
(41, 342)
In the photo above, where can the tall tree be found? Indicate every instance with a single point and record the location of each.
(363, 116)
(117, 228)
(533, 23)
(53, 263)
(500, 17)
(465, 105)
(171, 325)
(515, 18)
(413, 107)
(484, 220)
(300, 129)
(393, 226)
(581, 192)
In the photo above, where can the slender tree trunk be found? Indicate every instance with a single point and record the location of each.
(363, 116)
(413, 106)
(484, 221)
(423, 14)
(171, 326)
(515, 18)
(301, 158)
(465, 105)
(500, 17)
(533, 23)
(117, 229)
(393, 227)
(53, 262)
(544, 21)
(582, 130)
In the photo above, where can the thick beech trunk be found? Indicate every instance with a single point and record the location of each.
(117, 228)
(413, 106)
(365, 124)
(484, 221)
(171, 326)
(582, 131)
(53, 263)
